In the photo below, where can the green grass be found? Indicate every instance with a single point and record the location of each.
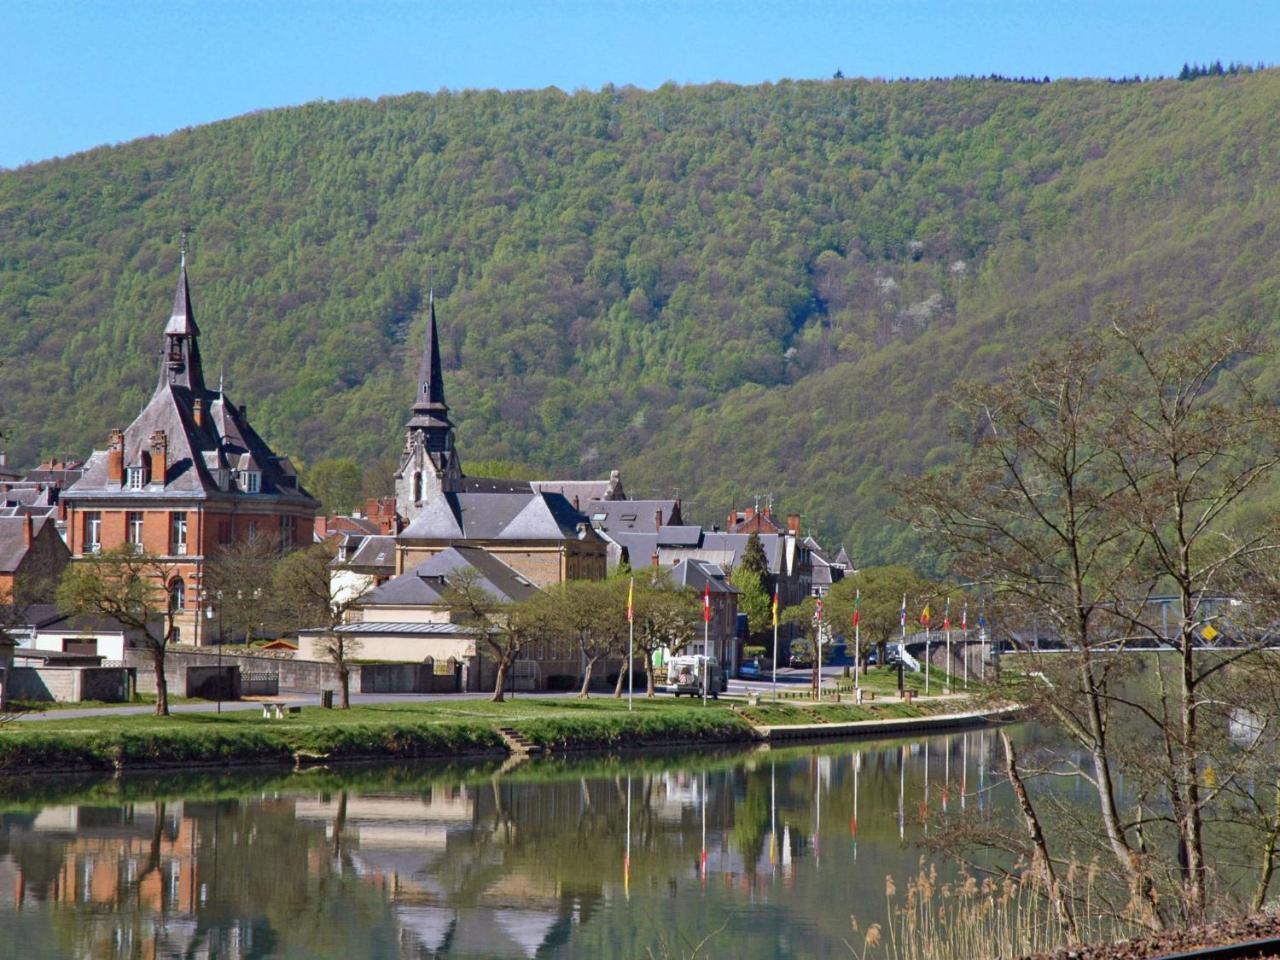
(396, 731)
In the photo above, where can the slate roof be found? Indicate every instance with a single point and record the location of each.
(498, 516)
(375, 552)
(685, 536)
(13, 544)
(224, 440)
(427, 583)
(631, 515)
(699, 573)
(725, 549)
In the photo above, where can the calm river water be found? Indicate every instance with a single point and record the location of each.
(769, 853)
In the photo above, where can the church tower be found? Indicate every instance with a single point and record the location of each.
(429, 465)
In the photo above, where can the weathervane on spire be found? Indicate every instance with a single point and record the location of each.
(182, 244)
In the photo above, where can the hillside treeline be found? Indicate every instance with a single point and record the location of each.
(729, 291)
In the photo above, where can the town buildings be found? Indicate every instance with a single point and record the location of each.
(189, 475)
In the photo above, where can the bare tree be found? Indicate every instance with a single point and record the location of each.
(304, 596)
(133, 589)
(240, 574)
(1029, 511)
(1103, 475)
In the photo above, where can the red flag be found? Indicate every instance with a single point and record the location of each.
(706, 602)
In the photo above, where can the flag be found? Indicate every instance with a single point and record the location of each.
(924, 616)
(902, 614)
(631, 609)
(857, 612)
(964, 616)
(817, 611)
(706, 602)
(775, 606)
(946, 615)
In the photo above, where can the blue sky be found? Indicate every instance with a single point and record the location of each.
(79, 74)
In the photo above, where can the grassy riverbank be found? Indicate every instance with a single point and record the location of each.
(405, 731)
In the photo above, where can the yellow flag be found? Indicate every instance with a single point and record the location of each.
(631, 591)
(775, 608)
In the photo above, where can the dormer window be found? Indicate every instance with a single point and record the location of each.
(136, 478)
(250, 481)
(221, 477)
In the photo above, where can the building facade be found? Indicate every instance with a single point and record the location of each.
(189, 476)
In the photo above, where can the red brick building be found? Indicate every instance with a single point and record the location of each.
(187, 477)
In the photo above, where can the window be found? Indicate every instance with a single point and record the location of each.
(178, 595)
(288, 532)
(417, 486)
(178, 533)
(136, 477)
(251, 534)
(250, 481)
(133, 530)
(224, 532)
(92, 532)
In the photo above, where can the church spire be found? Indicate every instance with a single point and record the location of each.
(181, 365)
(430, 412)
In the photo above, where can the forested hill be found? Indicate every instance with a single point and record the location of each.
(730, 291)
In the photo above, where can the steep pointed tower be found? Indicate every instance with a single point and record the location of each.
(181, 364)
(430, 464)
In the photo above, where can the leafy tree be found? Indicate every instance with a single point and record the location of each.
(303, 595)
(880, 613)
(754, 599)
(132, 589)
(665, 616)
(337, 483)
(503, 629)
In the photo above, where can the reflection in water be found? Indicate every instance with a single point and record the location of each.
(424, 864)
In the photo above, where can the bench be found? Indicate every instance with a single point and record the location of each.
(278, 711)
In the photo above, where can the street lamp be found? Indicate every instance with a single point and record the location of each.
(208, 615)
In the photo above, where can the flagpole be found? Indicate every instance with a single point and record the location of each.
(947, 622)
(926, 657)
(706, 661)
(631, 649)
(857, 643)
(775, 645)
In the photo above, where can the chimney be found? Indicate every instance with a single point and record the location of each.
(28, 530)
(159, 457)
(750, 513)
(115, 457)
(793, 524)
(197, 412)
(653, 560)
(657, 520)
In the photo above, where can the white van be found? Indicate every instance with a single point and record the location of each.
(684, 675)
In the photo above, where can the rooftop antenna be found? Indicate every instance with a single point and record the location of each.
(222, 370)
(757, 503)
(182, 246)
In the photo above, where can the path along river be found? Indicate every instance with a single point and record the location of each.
(768, 853)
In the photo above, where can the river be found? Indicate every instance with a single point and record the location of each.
(765, 853)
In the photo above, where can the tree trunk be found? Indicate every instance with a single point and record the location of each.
(500, 682)
(344, 685)
(1061, 906)
(622, 676)
(162, 683)
(586, 678)
(648, 676)
(1268, 857)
